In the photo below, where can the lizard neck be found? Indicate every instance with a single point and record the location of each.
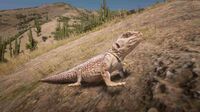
(118, 55)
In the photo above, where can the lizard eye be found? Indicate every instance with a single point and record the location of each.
(118, 46)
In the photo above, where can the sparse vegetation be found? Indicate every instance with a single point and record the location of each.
(161, 54)
(32, 45)
(86, 22)
(2, 49)
(22, 22)
(10, 48)
(105, 13)
(16, 51)
(37, 26)
(34, 18)
(62, 30)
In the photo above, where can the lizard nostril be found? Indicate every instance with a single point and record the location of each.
(118, 46)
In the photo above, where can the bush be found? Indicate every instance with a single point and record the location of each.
(62, 31)
(44, 38)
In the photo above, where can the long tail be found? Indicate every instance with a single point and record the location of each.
(64, 77)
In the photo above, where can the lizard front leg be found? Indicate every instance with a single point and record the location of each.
(106, 77)
(78, 83)
(118, 72)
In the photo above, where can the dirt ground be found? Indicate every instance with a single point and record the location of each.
(163, 71)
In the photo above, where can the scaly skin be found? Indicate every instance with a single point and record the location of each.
(102, 66)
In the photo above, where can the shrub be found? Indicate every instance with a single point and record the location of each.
(44, 38)
(62, 31)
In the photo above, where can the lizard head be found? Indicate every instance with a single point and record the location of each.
(126, 43)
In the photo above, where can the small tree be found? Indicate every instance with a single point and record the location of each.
(32, 45)
(37, 26)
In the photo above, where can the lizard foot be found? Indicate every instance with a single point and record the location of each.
(74, 84)
(115, 84)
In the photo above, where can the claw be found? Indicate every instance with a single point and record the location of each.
(116, 84)
(74, 84)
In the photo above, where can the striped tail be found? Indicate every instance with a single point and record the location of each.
(64, 77)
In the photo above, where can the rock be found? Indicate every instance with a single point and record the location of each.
(162, 88)
(158, 89)
(184, 75)
(188, 64)
(161, 71)
(197, 71)
(169, 75)
(196, 95)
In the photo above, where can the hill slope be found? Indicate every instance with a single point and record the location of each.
(10, 19)
(15, 21)
(170, 51)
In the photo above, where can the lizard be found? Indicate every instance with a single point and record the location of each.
(103, 66)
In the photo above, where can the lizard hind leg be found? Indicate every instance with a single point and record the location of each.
(106, 78)
(77, 83)
(111, 83)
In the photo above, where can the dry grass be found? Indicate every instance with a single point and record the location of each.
(14, 63)
(9, 20)
(157, 27)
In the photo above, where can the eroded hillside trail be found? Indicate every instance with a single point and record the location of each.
(171, 41)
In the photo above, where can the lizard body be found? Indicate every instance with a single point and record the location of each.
(103, 66)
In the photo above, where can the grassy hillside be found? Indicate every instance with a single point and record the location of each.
(9, 19)
(47, 18)
(163, 71)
